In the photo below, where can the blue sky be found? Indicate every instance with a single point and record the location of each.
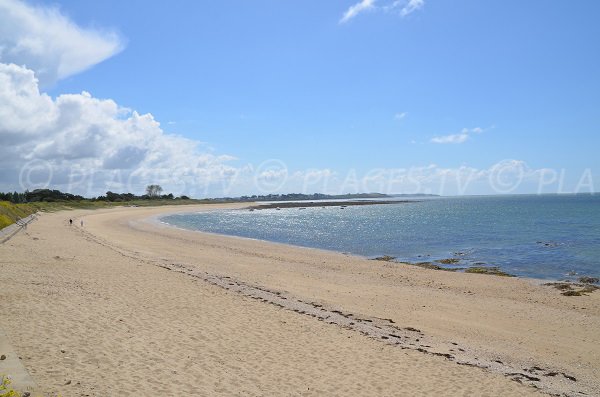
(432, 86)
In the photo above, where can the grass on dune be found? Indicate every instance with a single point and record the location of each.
(10, 212)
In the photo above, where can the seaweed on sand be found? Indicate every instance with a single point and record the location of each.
(573, 289)
(433, 266)
(385, 258)
(449, 261)
(588, 280)
(492, 270)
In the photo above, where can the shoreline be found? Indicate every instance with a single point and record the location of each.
(567, 285)
(494, 319)
(439, 264)
(158, 222)
(308, 204)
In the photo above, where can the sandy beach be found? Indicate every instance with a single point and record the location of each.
(125, 306)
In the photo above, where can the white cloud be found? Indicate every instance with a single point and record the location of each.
(47, 42)
(88, 144)
(356, 9)
(400, 116)
(402, 7)
(461, 137)
(410, 6)
(453, 138)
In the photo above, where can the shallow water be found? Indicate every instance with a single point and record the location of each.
(541, 236)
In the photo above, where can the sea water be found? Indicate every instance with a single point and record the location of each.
(541, 236)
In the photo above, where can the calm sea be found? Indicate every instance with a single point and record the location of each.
(540, 236)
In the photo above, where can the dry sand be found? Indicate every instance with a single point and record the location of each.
(95, 311)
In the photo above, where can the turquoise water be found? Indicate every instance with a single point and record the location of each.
(540, 236)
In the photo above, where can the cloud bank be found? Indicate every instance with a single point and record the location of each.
(89, 145)
(47, 42)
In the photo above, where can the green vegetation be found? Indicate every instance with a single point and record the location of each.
(54, 196)
(10, 213)
(46, 195)
(6, 390)
(153, 190)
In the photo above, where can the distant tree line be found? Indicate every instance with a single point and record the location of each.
(117, 197)
(47, 195)
(153, 192)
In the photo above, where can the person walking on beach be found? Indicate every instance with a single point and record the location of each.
(82, 223)
(70, 222)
